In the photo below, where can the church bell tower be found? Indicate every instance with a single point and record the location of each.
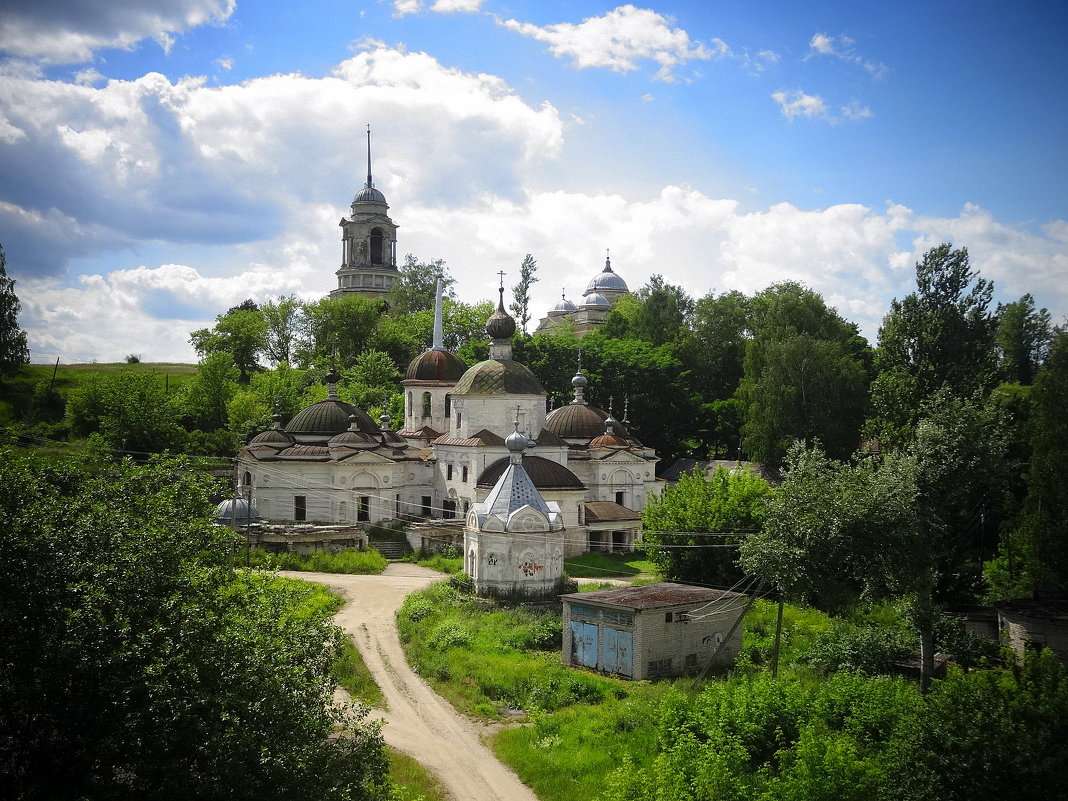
(368, 243)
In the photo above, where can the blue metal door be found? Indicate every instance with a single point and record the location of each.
(584, 644)
(617, 651)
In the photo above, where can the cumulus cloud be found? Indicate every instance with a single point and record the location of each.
(56, 32)
(621, 39)
(842, 48)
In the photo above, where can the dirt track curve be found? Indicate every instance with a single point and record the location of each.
(419, 722)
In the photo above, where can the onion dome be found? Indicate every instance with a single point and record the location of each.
(545, 473)
(609, 439)
(607, 280)
(276, 436)
(493, 377)
(329, 417)
(579, 380)
(595, 298)
(500, 324)
(436, 365)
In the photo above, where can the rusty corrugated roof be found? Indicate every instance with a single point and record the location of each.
(651, 596)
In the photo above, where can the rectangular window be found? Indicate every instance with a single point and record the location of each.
(667, 617)
(617, 617)
(426, 499)
(448, 472)
(619, 498)
(448, 509)
(660, 667)
(691, 661)
(463, 474)
(363, 511)
(300, 507)
(581, 610)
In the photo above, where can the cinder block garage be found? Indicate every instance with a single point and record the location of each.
(652, 631)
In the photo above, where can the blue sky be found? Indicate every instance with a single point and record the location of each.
(162, 160)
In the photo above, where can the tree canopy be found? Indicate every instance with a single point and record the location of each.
(13, 350)
(136, 664)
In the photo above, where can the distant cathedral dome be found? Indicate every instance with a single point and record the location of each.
(564, 306)
(329, 417)
(595, 299)
(606, 280)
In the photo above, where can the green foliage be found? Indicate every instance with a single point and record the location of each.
(130, 410)
(871, 650)
(351, 672)
(241, 332)
(413, 782)
(281, 319)
(338, 329)
(206, 398)
(805, 375)
(1023, 338)
(348, 561)
(137, 664)
(941, 335)
(415, 288)
(728, 501)
(600, 565)
(521, 292)
(13, 350)
(484, 656)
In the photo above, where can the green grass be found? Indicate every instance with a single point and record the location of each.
(348, 561)
(443, 564)
(351, 672)
(413, 781)
(604, 565)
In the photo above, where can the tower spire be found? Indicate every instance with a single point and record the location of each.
(439, 336)
(369, 185)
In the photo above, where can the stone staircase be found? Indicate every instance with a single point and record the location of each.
(393, 550)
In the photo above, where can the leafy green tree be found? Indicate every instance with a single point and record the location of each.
(805, 375)
(1023, 338)
(521, 291)
(665, 313)
(136, 664)
(338, 328)
(372, 382)
(717, 347)
(1034, 554)
(902, 525)
(209, 392)
(131, 411)
(13, 350)
(728, 501)
(241, 332)
(941, 335)
(415, 288)
(281, 318)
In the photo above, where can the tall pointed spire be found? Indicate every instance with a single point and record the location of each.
(369, 184)
(439, 334)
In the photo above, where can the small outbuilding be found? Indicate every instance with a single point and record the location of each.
(652, 631)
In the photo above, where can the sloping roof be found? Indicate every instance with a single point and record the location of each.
(608, 512)
(483, 437)
(512, 491)
(651, 596)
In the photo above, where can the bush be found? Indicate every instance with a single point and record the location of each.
(350, 561)
(871, 650)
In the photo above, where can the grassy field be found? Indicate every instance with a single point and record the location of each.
(369, 562)
(610, 565)
(413, 781)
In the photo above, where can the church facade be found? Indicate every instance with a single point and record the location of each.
(466, 430)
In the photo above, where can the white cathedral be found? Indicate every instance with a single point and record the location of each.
(479, 463)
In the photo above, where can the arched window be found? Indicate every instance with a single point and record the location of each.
(376, 246)
(248, 479)
(426, 404)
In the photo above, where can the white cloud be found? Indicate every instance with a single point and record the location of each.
(798, 104)
(456, 6)
(843, 49)
(402, 8)
(620, 39)
(57, 32)
(225, 63)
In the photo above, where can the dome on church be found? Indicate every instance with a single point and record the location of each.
(369, 195)
(277, 437)
(564, 306)
(595, 299)
(545, 473)
(606, 280)
(576, 421)
(436, 365)
(493, 377)
(329, 417)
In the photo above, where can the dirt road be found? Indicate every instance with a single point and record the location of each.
(418, 722)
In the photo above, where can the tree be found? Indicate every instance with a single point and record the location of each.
(728, 501)
(372, 382)
(901, 525)
(521, 291)
(13, 350)
(137, 664)
(1023, 339)
(940, 335)
(720, 327)
(241, 332)
(665, 313)
(415, 288)
(281, 318)
(338, 328)
(131, 411)
(805, 375)
(209, 392)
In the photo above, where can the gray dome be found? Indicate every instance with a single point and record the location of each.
(545, 473)
(369, 195)
(607, 280)
(595, 299)
(564, 305)
(235, 511)
(329, 417)
(493, 377)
